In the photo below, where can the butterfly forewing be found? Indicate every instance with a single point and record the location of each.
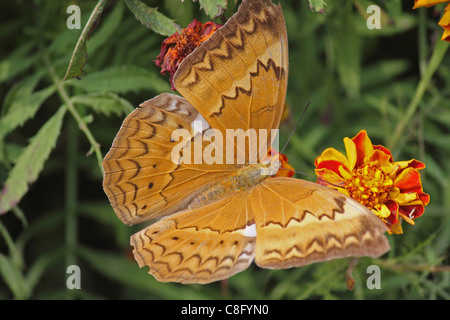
(237, 78)
(142, 178)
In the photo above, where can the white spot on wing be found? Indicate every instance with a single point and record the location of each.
(250, 231)
(200, 124)
(172, 105)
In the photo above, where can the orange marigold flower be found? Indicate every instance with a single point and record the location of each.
(176, 47)
(445, 23)
(427, 3)
(285, 170)
(368, 174)
(445, 20)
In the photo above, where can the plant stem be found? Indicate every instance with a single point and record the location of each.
(422, 40)
(405, 267)
(438, 54)
(95, 146)
(71, 196)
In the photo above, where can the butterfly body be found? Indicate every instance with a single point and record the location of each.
(244, 179)
(216, 218)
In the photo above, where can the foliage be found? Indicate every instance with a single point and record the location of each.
(394, 82)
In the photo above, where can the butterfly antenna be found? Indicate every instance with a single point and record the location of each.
(296, 126)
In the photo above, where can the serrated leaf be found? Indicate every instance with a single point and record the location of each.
(25, 87)
(105, 103)
(121, 80)
(152, 18)
(213, 8)
(79, 56)
(22, 109)
(31, 162)
(317, 5)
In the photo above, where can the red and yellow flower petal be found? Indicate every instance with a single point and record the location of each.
(446, 36)
(329, 165)
(286, 170)
(407, 198)
(331, 154)
(411, 163)
(381, 158)
(392, 221)
(445, 20)
(327, 177)
(382, 211)
(364, 146)
(408, 181)
(332, 166)
(384, 150)
(445, 23)
(412, 212)
(426, 3)
(352, 153)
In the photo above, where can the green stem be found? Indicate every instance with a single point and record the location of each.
(438, 54)
(422, 41)
(71, 195)
(95, 146)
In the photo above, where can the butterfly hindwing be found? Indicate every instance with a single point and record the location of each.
(202, 245)
(300, 222)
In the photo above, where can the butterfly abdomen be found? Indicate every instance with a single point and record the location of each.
(243, 179)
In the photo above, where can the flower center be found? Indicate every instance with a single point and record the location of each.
(369, 185)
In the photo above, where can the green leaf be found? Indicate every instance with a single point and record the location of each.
(128, 273)
(31, 162)
(108, 28)
(22, 109)
(25, 87)
(16, 62)
(79, 56)
(152, 18)
(213, 8)
(15, 253)
(105, 103)
(121, 80)
(348, 53)
(13, 278)
(382, 72)
(38, 268)
(317, 5)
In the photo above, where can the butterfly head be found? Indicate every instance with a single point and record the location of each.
(275, 164)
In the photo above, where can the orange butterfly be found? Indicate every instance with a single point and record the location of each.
(216, 218)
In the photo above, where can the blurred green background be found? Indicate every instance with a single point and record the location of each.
(394, 82)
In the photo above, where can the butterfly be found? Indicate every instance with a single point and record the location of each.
(214, 219)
